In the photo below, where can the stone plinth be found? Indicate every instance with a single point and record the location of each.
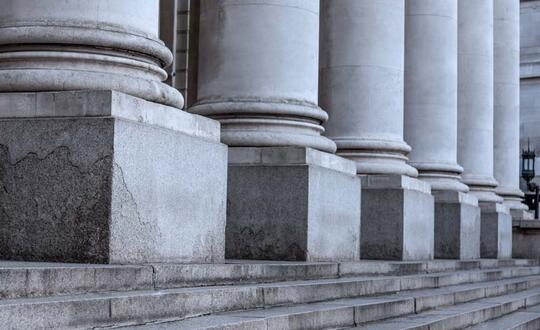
(397, 218)
(103, 177)
(457, 225)
(292, 204)
(526, 239)
(495, 231)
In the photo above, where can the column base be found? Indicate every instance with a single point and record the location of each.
(457, 225)
(526, 239)
(397, 218)
(520, 214)
(292, 203)
(104, 177)
(495, 231)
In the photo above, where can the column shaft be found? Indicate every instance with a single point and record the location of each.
(361, 72)
(258, 72)
(475, 97)
(431, 91)
(506, 102)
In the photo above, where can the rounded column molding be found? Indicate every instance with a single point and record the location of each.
(431, 91)
(361, 72)
(258, 72)
(60, 45)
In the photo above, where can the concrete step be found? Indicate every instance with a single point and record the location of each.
(143, 306)
(463, 315)
(26, 280)
(524, 319)
(352, 311)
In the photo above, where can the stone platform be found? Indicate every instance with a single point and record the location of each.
(265, 295)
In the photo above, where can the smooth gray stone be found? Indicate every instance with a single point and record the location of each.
(526, 239)
(109, 190)
(397, 218)
(139, 307)
(292, 204)
(457, 225)
(495, 231)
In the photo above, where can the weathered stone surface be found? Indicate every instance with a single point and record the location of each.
(457, 225)
(495, 231)
(292, 204)
(526, 239)
(397, 218)
(106, 189)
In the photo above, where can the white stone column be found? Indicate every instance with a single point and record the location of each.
(475, 98)
(258, 72)
(361, 72)
(506, 102)
(362, 60)
(61, 45)
(431, 91)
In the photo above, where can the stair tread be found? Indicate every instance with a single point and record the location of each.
(511, 321)
(282, 284)
(444, 313)
(251, 317)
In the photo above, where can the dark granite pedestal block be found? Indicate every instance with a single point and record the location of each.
(496, 231)
(457, 225)
(397, 218)
(289, 203)
(102, 177)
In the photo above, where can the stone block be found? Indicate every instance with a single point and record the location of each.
(292, 204)
(457, 225)
(102, 177)
(526, 239)
(495, 231)
(397, 218)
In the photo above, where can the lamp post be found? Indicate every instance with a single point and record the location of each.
(528, 158)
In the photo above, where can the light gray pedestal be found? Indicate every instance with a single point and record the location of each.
(102, 177)
(495, 231)
(290, 203)
(521, 214)
(457, 225)
(397, 218)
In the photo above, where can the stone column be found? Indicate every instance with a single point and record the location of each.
(361, 71)
(475, 123)
(123, 53)
(530, 80)
(431, 46)
(506, 104)
(258, 75)
(98, 162)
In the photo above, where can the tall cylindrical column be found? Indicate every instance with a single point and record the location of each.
(59, 45)
(258, 72)
(361, 71)
(506, 101)
(431, 91)
(475, 97)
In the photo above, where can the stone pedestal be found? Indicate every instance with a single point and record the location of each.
(495, 231)
(457, 225)
(397, 218)
(291, 203)
(103, 177)
(526, 239)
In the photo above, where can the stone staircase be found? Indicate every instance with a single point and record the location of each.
(440, 294)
